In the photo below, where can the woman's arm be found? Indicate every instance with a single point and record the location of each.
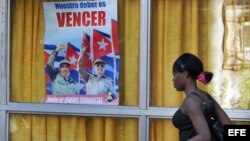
(194, 109)
(221, 115)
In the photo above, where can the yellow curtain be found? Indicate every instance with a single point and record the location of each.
(178, 26)
(28, 79)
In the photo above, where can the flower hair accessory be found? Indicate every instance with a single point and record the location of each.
(201, 77)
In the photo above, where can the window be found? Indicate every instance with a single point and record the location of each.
(151, 35)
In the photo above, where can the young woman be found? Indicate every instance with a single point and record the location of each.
(191, 118)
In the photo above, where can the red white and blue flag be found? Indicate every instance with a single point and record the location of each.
(114, 33)
(101, 44)
(72, 55)
(87, 55)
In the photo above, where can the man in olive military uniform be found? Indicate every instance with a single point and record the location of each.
(62, 83)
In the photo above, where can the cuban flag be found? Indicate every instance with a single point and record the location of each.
(87, 55)
(72, 55)
(101, 44)
(46, 57)
(114, 33)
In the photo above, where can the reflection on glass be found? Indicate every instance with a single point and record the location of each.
(190, 26)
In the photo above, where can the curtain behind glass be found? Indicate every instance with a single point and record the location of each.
(28, 79)
(177, 27)
(180, 26)
(209, 30)
(63, 128)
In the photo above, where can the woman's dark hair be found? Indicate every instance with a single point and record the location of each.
(193, 65)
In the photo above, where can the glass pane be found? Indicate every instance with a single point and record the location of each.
(162, 130)
(236, 61)
(196, 27)
(30, 83)
(71, 128)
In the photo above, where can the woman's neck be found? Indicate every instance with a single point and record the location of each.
(190, 89)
